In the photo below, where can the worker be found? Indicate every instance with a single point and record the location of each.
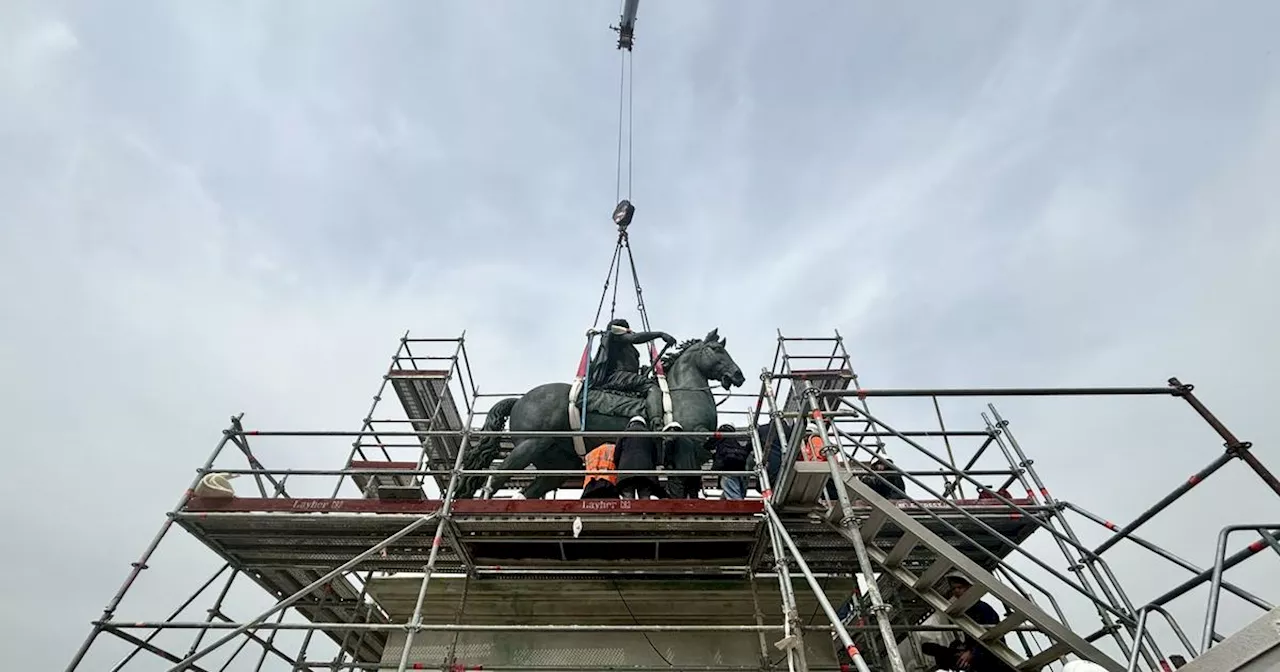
(967, 654)
(811, 449)
(602, 485)
(637, 453)
(729, 454)
(683, 454)
(884, 466)
(616, 365)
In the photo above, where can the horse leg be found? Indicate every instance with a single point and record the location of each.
(520, 457)
(558, 457)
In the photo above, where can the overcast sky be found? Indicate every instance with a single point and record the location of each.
(208, 208)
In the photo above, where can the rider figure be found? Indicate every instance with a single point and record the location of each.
(616, 365)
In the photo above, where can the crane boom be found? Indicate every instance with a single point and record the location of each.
(627, 26)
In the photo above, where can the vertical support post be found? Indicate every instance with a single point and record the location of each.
(366, 425)
(790, 617)
(823, 602)
(141, 564)
(847, 521)
(415, 623)
(1219, 566)
(790, 443)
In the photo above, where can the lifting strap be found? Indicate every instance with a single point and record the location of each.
(578, 416)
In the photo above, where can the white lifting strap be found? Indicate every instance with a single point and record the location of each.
(575, 414)
(667, 416)
(575, 417)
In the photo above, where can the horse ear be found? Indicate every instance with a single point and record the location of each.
(724, 342)
(711, 336)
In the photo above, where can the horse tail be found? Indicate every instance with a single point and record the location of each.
(480, 453)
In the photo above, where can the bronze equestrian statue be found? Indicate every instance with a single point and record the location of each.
(689, 370)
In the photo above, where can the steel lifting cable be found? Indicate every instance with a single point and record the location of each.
(612, 278)
(626, 108)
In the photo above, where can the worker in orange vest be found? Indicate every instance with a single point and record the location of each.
(811, 449)
(601, 485)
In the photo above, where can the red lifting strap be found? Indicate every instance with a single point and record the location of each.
(582, 363)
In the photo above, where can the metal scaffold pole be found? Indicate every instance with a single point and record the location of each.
(793, 636)
(879, 609)
(415, 622)
(141, 564)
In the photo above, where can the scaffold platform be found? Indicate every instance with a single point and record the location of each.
(689, 534)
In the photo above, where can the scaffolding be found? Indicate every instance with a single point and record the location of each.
(834, 563)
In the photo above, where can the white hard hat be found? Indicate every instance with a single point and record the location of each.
(636, 419)
(1083, 666)
(672, 425)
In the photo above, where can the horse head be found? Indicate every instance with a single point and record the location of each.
(710, 359)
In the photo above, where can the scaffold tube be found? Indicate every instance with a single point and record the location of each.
(416, 621)
(1190, 584)
(1235, 447)
(1219, 561)
(995, 391)
(878, 607)
(1164, 502)
(823, 602)
(141, 564)
(289, 601)
(1170, 556)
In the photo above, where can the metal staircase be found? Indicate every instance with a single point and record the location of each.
(916, 540)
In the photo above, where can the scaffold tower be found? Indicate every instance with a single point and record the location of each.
(836, 558)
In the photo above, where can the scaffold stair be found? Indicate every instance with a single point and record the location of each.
(944, 559)
(430, 405)
(831, 379)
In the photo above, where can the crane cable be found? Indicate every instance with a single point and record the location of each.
(626, 109)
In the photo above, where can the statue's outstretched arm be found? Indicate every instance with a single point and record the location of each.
(642, 337)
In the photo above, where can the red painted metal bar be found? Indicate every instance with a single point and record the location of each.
(1235, 447)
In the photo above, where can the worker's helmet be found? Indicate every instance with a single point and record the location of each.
(673, 426)
(1082, 666)
(637, 420)
(620, 322)
(957, 577)
(726, 427)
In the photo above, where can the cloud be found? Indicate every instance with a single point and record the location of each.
(208, 209)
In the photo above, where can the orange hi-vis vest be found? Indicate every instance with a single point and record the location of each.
(601, 459)
(811, 451)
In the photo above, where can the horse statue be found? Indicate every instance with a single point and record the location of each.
(689, 368)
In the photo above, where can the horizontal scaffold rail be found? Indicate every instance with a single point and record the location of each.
(996, 391)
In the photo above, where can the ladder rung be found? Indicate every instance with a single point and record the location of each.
(874, 523)
(932, 574)
(1004, 627)
(1058, 650)
(901, 549)
(970, 598)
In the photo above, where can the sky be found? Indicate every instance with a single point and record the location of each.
(209, 208)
